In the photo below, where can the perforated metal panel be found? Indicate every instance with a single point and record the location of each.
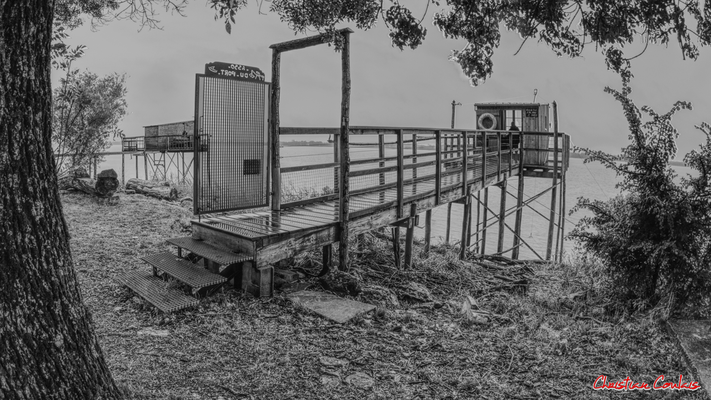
(231, 164)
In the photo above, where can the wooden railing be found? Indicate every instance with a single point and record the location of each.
(426, 162)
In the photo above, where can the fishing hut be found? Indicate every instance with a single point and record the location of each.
(163, 148)
(254, 207)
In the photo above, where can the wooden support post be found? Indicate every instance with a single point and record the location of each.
(326, 259)
(274, 131)
(400, 174)
(564, 184)
(428, 230)
(344, 152)
(498, 156)
(136, 157)
(469, 222)
(465, 224)
(438, 167)
(145, 166)
(502, 216)
(483, 159)
(396, 246)
(510, 135)
(464, 163)
(381, 164)
(478, 214)
(519, 200)
(551, 220)
(449, 222)
(410, 235)
(414, 161)
(123, 168)
(485, 220)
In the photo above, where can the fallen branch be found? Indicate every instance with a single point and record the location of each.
(159, 190)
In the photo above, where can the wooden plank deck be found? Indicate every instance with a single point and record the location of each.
(370, 210)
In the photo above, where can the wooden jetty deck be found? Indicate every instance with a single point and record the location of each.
(237, 165)
(385, 191)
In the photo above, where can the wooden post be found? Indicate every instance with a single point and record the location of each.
(327, 258)
(400, 174)
(396, 247)
(123, 167)
(400, 189)
(96, 166)
(519, 199)
(136, 157)
(484, 220)
(438, 167)
(344, 152)
(274, 131)
(409, 235)
(551, 221)
(145, 166)
(449, 223)
(564, 184)
(465, 224)
(428, 230)
(502, 216)
(498, 156)
(414, 161)
(381, 164)
(478, 214)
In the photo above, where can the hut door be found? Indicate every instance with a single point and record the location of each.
(231, 143)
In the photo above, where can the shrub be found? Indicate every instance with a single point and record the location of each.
(655, 236)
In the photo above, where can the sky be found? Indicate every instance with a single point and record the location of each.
(410, 88)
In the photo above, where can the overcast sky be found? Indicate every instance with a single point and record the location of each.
(389, 87)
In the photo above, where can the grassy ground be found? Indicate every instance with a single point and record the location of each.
(464, 330)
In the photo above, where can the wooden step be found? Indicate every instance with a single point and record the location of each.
(154, 290)
(212, 253)
(184, 271)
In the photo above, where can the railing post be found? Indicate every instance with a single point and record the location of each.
(485, 217)
(498, 156)
(466, 192)
(400, 173)
(414, 161)
(345, 158)
(519, 201)
(438, 163)
(274, 134)
(381, 164)
(464, 163)
(551, 222)
(510, 134)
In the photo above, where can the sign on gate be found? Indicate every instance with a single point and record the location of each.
(231, 124)
(234, 71)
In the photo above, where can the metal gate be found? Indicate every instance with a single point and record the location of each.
(231, 144)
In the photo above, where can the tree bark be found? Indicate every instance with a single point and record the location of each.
(160, 190)
(49, 347)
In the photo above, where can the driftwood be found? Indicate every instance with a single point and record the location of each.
(105, 184)
(160, 190)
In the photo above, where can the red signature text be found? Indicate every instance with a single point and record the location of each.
(602, 383)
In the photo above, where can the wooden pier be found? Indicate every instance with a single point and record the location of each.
(251, 212)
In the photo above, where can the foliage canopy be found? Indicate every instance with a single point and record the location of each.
(566, 26)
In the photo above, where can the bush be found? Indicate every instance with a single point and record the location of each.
(654, 238)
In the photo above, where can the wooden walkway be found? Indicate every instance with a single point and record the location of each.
(269, 236)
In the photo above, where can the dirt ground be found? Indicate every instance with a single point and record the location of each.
(445, 329)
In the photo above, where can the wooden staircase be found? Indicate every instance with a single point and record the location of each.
(218, 267)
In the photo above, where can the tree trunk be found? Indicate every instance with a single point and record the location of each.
(49, 348)
(160, 190)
